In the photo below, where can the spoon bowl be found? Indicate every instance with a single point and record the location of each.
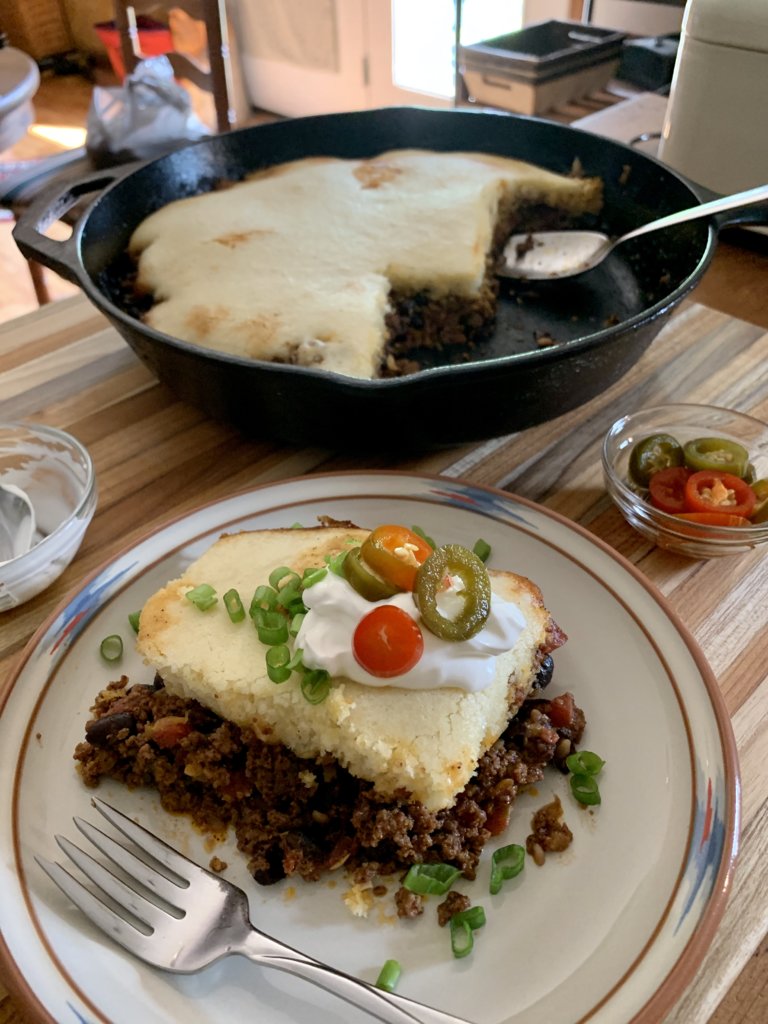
(17, 522)
(551, 255)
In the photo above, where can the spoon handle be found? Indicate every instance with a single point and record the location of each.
(724, 204)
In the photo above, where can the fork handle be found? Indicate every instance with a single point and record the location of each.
(383, 1006)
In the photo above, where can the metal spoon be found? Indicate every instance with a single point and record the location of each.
(17, 522)
(551, 255)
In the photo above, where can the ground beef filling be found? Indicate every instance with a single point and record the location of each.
(419, 323)
(295, 816)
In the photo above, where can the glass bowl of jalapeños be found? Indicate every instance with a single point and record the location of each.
(691, 478)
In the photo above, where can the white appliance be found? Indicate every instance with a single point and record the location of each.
(716, 127)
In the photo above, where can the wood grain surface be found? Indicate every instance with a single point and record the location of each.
(157, 458)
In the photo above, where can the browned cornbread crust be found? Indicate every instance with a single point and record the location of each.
(295, 816)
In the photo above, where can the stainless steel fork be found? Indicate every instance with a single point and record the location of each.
(199, 918)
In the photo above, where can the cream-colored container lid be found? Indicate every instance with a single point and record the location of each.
(738, 23)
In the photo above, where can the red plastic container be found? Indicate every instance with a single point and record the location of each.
(154, 39)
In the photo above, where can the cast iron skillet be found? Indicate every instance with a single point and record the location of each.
(602, 322)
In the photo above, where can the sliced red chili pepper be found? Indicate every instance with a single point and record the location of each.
(714, 518)
(396, 554)
(387, 641)
(712, 491)
(667, 489)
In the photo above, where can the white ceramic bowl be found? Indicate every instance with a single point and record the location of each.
(57, 473)
(684, 422)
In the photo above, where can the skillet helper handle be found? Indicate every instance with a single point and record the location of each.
(52, 205)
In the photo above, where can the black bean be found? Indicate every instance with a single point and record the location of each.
(268, 868)
(99, 731)
(544, 675)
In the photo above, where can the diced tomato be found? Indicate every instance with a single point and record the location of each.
(387, 641)
(560, 712)
(166, 732)
(498, 819)
(667, 489)
(712, 491)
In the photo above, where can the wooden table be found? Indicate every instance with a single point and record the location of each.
(156, 458)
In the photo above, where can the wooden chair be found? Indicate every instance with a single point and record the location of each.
(199, 31)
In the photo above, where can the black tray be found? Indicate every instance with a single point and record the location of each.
(548, 49)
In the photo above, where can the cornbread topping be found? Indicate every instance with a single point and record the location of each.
(323, 262)
(427, 742)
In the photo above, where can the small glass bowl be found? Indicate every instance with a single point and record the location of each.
(57, 474)
(684, 422)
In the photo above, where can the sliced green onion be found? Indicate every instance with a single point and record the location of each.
(133, 618)
(279, 574)
(297, 661)
(264, 599)
(584, 762)
(277, 664)
(462, 939)
(389, 975)
(335, 562)
(315, 685)
(420, 533)
(289, 597)
(111, 648)
(296, 526)
(296, 622)
(474, 916)
(585, 789)
(309, 579)
(272, 627)
(506, 863)
(431, 879)
(482, 549)
(202, 597)
(234, 605)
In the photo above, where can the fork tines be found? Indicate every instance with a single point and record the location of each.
(124, 912)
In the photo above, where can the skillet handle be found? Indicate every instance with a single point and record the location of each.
(752, 214)
(756, 212)
(51, 205)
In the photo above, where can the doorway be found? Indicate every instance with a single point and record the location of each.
(335, 55)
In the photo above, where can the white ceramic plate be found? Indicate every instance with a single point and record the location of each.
(609, 931)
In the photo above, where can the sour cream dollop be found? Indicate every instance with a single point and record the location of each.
(335, 609)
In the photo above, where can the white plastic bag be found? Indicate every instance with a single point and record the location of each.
(150, 114)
